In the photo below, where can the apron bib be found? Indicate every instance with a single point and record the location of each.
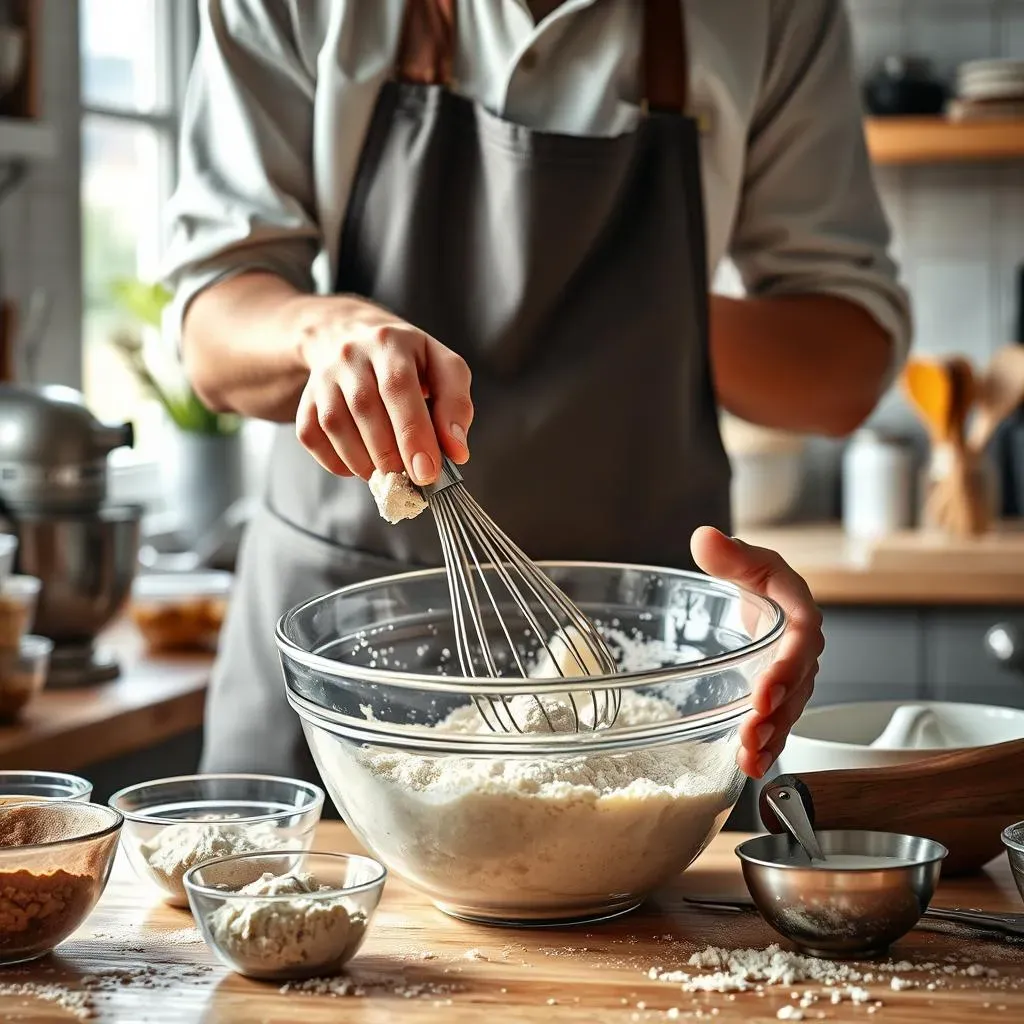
(570, 273)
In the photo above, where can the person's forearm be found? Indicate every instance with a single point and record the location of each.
(241, 346)
(806, 363)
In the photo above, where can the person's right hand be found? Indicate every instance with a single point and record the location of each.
(365, 403)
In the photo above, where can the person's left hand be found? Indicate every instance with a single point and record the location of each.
(781, 692)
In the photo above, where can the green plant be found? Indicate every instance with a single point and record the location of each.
(146, 303)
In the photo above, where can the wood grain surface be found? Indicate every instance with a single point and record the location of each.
(591, 973)
(154, 699)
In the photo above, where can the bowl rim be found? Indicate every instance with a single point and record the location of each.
(939, 854)
(480, 687)
(32, 645)
(315, 791)
(1010, 843)
(377, 882)
(20, 586)
(113, 827)
(83, 784)
(821, 711)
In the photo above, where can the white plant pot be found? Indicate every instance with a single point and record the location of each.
(205, 479)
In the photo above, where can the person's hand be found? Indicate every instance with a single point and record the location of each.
(782, 691)
(365, 403)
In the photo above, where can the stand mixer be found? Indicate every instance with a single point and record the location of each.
(53, 490)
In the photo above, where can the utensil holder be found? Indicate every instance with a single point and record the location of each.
(960, 492)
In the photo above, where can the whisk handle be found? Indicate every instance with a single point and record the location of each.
(449, 476)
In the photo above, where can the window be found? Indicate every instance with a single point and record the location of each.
(134, 64)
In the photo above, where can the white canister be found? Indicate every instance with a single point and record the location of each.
(878, 480)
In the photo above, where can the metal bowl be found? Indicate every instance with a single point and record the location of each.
(87, 564)
(1013, 840)
(844, 912)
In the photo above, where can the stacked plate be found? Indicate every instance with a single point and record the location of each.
(989, 89)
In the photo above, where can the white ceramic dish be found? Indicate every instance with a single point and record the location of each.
(840, 735)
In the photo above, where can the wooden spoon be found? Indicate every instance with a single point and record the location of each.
(963, 799)
(1001, 391)
(930, 391)
(963, 392)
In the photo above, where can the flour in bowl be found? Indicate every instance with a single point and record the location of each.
(539, 832)
(177, 848)
(304, 934)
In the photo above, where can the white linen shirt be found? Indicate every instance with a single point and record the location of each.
(282, 92)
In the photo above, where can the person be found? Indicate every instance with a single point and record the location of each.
(408, 228)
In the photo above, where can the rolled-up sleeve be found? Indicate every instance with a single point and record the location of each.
(810, 220)
(245, 194)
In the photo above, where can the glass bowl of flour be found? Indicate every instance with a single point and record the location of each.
(285, 915)
(172, 825)
(532, 827)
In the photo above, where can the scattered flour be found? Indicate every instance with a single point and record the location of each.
(177, 848)
(293, 937)
(396, 496)
(544, 833)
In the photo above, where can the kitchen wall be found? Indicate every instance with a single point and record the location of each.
(40, 232)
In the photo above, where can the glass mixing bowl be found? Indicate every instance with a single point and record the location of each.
(535, 827)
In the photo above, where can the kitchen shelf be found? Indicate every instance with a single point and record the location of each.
(25, 139)
(897, 141)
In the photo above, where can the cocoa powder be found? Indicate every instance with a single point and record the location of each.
(38, 911)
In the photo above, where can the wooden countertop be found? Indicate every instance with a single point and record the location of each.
(585, 974)
(907, 569)
(154, 699)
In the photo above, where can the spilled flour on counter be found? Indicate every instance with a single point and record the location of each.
(273, 935)
(176, 849)
(501, 831)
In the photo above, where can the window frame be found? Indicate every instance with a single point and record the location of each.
(178, 25)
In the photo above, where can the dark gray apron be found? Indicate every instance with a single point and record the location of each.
(570, 273)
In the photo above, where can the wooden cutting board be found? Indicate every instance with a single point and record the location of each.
(586, 974)
(1000, 551)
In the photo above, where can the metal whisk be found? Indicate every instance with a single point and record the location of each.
(485, 569)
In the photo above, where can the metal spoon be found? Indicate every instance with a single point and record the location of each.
(789, 809)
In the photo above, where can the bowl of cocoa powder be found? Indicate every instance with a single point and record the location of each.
(55, 859)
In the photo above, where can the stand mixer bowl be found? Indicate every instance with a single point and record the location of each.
(541, 827)
(87, 564)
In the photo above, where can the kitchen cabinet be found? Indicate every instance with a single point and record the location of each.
(915, 653)
(870, 654)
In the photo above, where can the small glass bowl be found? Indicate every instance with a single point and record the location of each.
(175, 824)
(329, 924)
(1013, 840)
(35, 787)
(55, 857)
(180, 611)
(23, 671)
(19, 596)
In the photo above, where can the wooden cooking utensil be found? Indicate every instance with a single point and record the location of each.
(963, 799)
(963, 392)
(1000, 391)
(928, 387)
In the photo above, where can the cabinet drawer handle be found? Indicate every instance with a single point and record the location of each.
(1005, 646)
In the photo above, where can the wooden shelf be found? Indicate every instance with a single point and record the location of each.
(895, 141)
(24, 139)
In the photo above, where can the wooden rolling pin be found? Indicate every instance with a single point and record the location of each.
(963, 800)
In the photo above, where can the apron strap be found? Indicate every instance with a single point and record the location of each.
(427, 48)
(666, 65)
